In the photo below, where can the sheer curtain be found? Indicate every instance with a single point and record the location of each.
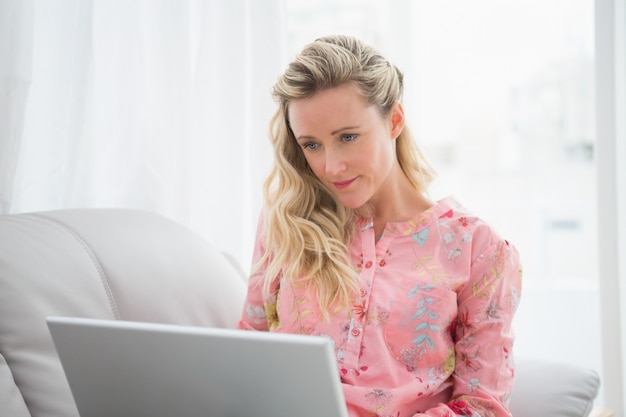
(156, 105)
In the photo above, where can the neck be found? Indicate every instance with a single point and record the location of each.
(399, 202)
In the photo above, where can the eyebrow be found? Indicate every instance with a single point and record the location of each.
(334, 132)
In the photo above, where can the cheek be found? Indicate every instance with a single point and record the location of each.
(387, 153)
(316, 165)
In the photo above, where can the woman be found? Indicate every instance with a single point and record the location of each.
(417, 296)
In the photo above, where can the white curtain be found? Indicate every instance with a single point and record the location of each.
(156, 104)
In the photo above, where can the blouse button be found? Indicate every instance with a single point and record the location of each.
(363, 293)
(356, 332)
(368, 264)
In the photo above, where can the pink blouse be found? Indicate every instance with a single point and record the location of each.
(430, 332)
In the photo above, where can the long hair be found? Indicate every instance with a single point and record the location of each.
(307, 230)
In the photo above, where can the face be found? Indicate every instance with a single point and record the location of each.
(348, 144)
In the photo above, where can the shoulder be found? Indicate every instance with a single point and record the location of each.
(456, 220)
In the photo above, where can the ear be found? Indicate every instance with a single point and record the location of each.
(397, 120)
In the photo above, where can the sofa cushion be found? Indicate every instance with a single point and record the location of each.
(555, 389)
(110, 264)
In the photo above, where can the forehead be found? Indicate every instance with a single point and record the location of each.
(328, 109)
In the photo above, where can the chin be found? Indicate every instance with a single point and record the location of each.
(352, 200)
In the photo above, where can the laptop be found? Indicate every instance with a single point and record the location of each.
(122, 368)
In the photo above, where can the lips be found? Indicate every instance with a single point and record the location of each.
(343, 184)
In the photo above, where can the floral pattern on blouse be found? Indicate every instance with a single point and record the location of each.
(429, 333)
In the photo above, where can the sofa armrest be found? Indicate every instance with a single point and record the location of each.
(11, 400)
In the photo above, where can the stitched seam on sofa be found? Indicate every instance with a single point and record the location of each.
(94, 259)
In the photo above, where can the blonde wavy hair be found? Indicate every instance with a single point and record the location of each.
(307, 230)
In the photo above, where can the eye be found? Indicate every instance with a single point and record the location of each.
(349, 137)
(311, 146)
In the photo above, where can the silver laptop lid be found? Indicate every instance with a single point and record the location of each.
(121, 368)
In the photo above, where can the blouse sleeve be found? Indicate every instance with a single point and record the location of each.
(258, 310)
(484, 369)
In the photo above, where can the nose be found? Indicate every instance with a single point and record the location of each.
(335, 162)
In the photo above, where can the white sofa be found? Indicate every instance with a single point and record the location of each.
(134, 265)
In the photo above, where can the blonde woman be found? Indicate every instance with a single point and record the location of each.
(418, 296)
